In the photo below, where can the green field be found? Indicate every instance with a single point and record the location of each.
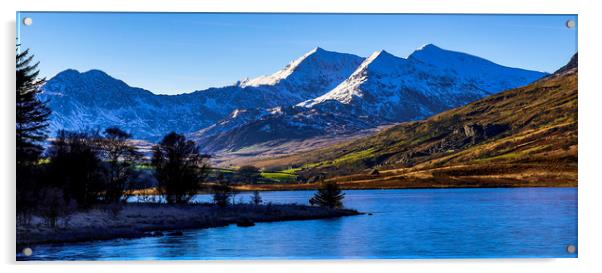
(280, 177)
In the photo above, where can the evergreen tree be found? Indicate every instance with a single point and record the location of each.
(329, 195)
(180, 168)
(31, 122)
(32, 113)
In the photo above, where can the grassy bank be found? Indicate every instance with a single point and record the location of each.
(138, 220)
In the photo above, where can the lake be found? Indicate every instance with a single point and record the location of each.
(416, 223)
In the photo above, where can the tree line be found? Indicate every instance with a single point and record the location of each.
(81, 169)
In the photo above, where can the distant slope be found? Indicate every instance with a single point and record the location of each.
(521, 137)
(383, 89)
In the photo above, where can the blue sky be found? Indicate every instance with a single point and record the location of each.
(172, 53)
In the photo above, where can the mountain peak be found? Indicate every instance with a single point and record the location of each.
(67, 73)
(281, 74)
(380, 77)
(315, 62)
(429, 47)
(316, 52)
(313, 51)
(470, 66)
(380, 60)
(431, 52)
(93, 81)
(96, 72)
(73, 73)
(381, 63)
(317, 49)
(379, 54)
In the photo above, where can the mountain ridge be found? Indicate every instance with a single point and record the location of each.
(87, 100)
(384, 89)
(95, 100)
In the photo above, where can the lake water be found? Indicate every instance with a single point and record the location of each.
(419, 223)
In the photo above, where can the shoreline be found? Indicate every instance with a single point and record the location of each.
(395, 186)
(389, 182)
(136, 220)
(305, 187)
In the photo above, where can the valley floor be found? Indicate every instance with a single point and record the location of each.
(138, 220)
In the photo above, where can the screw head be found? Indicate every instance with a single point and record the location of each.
(27, 21)
(571, 249)
(570, 24)
(27, 251)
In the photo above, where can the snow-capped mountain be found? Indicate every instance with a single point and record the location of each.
(383, 89)
(95, 100)
(311, 75)
(429, 81)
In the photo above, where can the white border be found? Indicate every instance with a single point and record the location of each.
(590, 99)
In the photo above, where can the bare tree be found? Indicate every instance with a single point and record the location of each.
(121, 158)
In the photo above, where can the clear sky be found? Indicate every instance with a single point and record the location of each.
(172, 53)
